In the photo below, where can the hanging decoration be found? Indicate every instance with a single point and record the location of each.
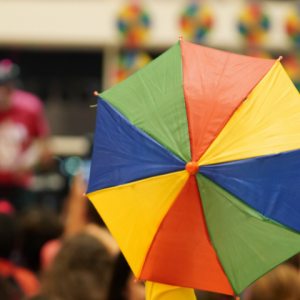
(291, 64)
(292, 25)
(133, 25)
(196, 22)
(258, 53)
(253, 23)
(129, 62)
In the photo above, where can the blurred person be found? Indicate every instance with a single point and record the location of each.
(80, 271)
(96, 227)
(74, 210)
(282, 283)
(23, 132)
(294, 261)
(41, 297)
(48, 253)
(21, 281)
(204, 295)
(38, 226)
(80, 215)
(5, 293)
(123, 286)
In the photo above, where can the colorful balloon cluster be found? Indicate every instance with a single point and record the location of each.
(196, 21)
(291, 64)
(133, 24)
(258, 53)
(253, 23)
(293, 25)
(130, 62)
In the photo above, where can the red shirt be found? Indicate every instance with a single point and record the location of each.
(27, 281)
(23, 122)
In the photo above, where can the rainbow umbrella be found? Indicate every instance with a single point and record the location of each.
(196, 168)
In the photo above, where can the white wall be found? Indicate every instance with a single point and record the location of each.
(91, 23)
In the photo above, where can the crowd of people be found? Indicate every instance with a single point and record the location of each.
(70, 254)
(47, 254)
(67, 256)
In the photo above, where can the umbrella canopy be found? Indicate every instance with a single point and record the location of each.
(196, 168)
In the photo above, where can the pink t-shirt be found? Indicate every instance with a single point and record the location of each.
(19, 126)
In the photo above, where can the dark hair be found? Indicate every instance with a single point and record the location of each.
(279, 284)
(38, 226)
(40, 297)
(80, 271)
(5, 293)
(93, 216)
(8, 234)
(119, 280)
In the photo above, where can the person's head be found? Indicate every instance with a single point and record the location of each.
(8, 234)
(282, 283)
(122, 284)
(80, 271)
(38, 226)
(8, 73)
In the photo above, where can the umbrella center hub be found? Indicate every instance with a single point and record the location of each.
(192, 167)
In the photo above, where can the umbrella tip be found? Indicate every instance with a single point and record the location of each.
(180, 38)
(280, 58)
(96, 93)
(237, 298)
(192, 167)
(84, 195)
(136, 280)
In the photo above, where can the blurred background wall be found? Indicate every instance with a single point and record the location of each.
(67, 49)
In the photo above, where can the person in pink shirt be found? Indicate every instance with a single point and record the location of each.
(23, 131)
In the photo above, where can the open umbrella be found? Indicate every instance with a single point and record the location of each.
(220, 226)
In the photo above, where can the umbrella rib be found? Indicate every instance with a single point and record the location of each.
(211, 99)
